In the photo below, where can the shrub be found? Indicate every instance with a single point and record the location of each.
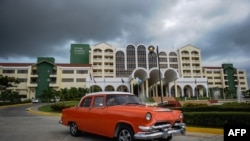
(58, 107)
(216, 119)
(194, 105)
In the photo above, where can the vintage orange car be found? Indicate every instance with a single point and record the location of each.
(123, 117)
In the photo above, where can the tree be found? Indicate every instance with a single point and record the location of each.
(82, 92)
(73, 92)
(63, 94)
(246, 93)
(48, 94)
(6, 82)
(6, 94)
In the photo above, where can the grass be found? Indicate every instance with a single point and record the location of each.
(47, 108)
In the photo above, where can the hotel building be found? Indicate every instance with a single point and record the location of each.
(132, 68)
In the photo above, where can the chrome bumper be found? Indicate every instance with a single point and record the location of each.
(163, 131)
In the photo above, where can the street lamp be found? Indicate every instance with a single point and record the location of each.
(151, 50)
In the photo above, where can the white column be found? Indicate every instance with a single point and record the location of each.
(175, 87)
(147, 88)
(142, 89)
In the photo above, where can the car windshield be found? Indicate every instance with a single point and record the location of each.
(121, 99)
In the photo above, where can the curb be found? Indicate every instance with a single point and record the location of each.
(205, 130)
(42, 113)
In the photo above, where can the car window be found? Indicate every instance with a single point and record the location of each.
(98, 102)
(86, 102)
(122, 99)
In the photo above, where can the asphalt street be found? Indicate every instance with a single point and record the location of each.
(24, 122)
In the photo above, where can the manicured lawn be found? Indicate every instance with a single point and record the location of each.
(47, 108)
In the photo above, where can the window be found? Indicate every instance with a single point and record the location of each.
(86, 102)
(80, 80)
(68, 71)
(22, 71)
(217, 77)
(175, 66)
(131, 58)
(67, 80)
(22, 80)
(241, 72)
(98, 102)
(8, 71)
(121, 99)
(172, 59)
(81, 72)
(209, 72)
(216, 72)
(141, 56)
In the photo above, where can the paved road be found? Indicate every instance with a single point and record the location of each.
(16, 123)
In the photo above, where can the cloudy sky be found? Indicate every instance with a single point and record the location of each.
(34, 28)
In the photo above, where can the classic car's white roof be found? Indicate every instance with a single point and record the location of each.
(109, 92)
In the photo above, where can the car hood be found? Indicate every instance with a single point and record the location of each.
(158, 113)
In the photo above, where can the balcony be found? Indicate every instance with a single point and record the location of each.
(109, 67)
(35, 75)
(109, 73)
(108, 53)
(53, 84)
(109, 60)
(32, 84)
(184, 54)
(187, 74)
(53, 75)
(97, 53)
(97, 60)
(97, 74)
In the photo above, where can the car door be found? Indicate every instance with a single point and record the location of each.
(97, 115)
(83, 114)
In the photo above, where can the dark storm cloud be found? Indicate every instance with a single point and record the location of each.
(228, 44)
(231, 39)
(41, 27)
(34, 28)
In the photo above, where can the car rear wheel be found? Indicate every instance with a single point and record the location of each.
(125, 133)
(73, 129)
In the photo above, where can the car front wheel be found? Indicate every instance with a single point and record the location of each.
(73, 129)
(125, 133)
(167, 139)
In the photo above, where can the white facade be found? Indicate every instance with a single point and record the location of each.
(118, 69)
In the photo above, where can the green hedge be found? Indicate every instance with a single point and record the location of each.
(13, 103)
(58, 107)
(227, 107)
(215, 108)
(216, 119)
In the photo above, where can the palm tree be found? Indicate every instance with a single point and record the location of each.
(48, 94)
(73, 92)
(64, 94)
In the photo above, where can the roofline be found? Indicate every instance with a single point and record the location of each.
(32, 64)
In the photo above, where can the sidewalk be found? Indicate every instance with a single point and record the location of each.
(34, 110)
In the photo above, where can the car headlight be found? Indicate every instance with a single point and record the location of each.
(181, 115)
(148, 116)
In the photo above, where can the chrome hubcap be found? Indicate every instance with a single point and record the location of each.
(124, 135)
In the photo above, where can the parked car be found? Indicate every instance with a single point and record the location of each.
(122, 116)
(35, 100)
